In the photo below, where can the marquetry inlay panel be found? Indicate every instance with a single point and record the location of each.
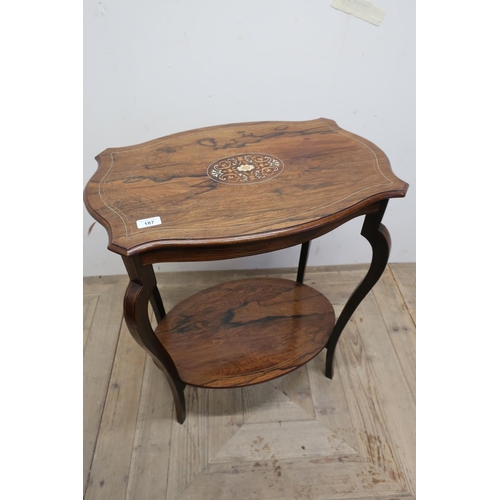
(245, 168)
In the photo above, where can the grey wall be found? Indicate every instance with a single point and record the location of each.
(154, 67)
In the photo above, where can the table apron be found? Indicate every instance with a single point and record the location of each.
(242, 248)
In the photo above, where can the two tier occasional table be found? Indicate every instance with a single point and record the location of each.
(233, 191)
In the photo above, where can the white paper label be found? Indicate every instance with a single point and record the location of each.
(153, 221)
(360, 8)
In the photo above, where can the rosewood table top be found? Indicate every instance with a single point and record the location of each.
(236, 183)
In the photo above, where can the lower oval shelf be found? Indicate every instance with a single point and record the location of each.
(245, 332)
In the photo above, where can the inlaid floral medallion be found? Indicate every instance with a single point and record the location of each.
(245, 168)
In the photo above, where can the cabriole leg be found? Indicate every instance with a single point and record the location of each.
(380, 240)
(141, 290)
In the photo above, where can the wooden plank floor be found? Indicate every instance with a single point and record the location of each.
(302, 436)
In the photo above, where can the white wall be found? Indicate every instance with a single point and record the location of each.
(157, 67)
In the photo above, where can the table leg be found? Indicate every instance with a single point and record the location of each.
(157, 304)
(142, 289)
(304, 253)
(380, 240)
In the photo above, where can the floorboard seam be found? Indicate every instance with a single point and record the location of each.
(135, 428)
(403, 297)
(103, 407)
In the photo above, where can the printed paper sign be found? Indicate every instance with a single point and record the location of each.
(153, 221)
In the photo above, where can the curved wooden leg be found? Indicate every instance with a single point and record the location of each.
(135, 307)
(380, 240)
(157, 304)
(177, 389)
(304, 253)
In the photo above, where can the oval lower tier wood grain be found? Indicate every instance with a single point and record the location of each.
(245, 332)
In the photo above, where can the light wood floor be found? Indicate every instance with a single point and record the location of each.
(302, 436)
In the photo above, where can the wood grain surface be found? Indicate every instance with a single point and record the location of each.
(241, 182)
(101, 331)
(301, 436)
(246, 331)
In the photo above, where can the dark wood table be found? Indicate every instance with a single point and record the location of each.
(233, 191)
